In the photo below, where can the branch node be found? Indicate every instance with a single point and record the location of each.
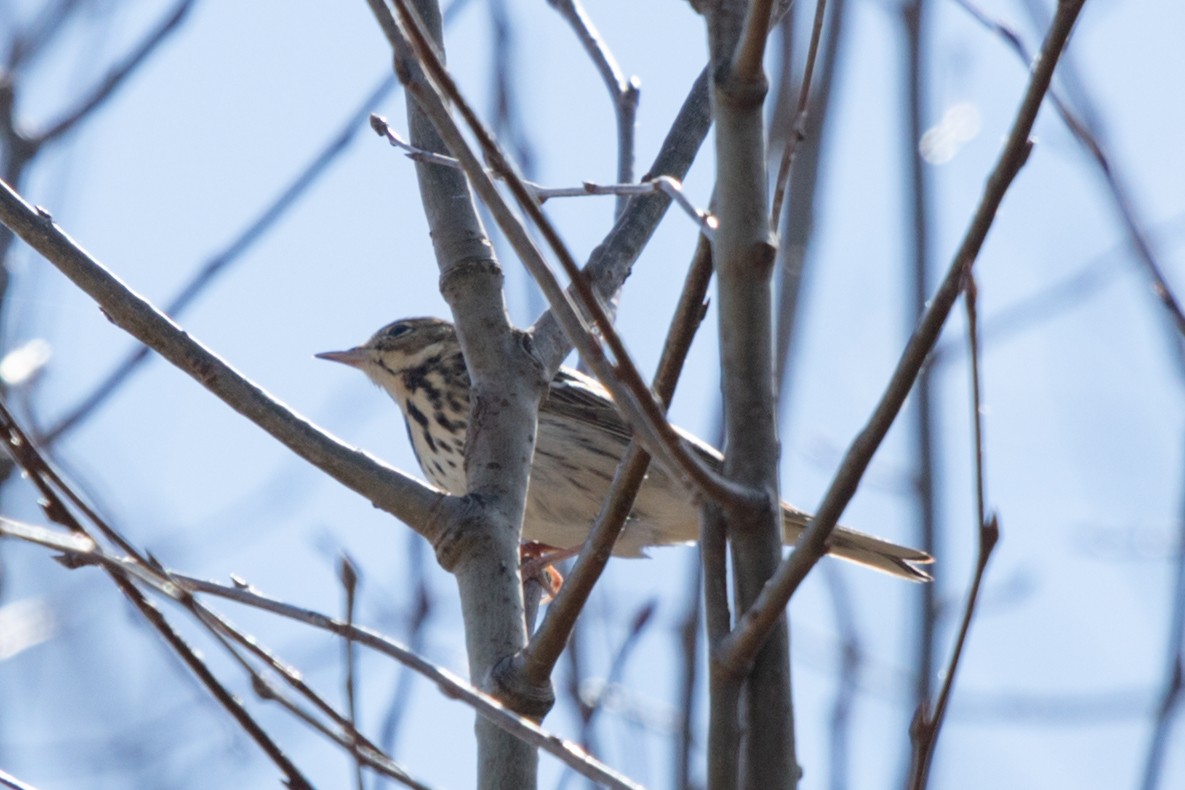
(510, 684)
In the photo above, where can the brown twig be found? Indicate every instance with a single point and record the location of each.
(927, 722)
(621, 377)
(1090, 139)
(798, 129)
(623, 91)
(754, 624)
(347, 572)
(82, 551)
(539, 658)
(52, 490)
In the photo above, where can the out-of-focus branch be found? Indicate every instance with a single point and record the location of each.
(755, 623)
(927, 721)
(10, 781)
(117, 77)
(1121, 200)
(53, 500)
(82, 550)
(623, 91)
(798, 128)
(347, 573)
(403, 496)
(228, 256)
(1173, 692)
(923, 417)
(34, 38)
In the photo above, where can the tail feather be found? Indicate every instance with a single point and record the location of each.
(867, 550)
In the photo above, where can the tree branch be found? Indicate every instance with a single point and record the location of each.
(754, 624)
(402, 496)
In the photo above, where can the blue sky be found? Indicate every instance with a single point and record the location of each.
(1083, 408)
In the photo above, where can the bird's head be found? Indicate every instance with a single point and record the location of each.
(396, 352)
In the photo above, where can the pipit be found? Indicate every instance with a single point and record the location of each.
(581, 438)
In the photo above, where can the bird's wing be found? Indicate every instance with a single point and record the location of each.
(576, 396)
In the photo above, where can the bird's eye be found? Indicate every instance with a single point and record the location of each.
(395, 330)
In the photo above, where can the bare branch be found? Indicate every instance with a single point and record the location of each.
(623, 92)
(927, 722)
(539, 658)
(52, 490)
(172, 584)
(747, 62)
(1116, 189)
(748, 635)
(348, 575)
(661, 184)
(399, 494)
(117, 76)
(228, 256)
(621, 376)
(743, 254)
(798, 128)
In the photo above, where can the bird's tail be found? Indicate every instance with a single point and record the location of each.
(867, 550)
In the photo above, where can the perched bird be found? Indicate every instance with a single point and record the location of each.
(581, 437)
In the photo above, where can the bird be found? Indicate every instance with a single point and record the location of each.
(580, 439)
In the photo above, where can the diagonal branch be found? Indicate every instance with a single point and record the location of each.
(117, 77)
(539, 658)
(229, 255)
(621, 377)
(1116, 187)
(750, 632)
(80, 549)
(423, 508)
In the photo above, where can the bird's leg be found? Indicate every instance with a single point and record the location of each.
(537, 559)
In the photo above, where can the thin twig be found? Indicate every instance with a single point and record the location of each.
(233, 252)
(1121, 201)
(117, 77)
(346, 733)
(139, 567)
(167, 582)
(539, 658)
(927, 722)
(754, 624)
(621, 377)
(421, 611)
(623, 91)
(36, 468)
(798, 128)
(348, 575)
(664, 184)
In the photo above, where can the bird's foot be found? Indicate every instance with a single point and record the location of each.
(537, 559)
